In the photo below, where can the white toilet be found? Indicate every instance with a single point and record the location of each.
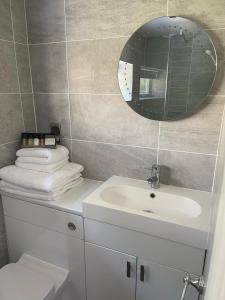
(31, 279)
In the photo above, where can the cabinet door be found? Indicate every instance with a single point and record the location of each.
(110, 275)
(157, 282)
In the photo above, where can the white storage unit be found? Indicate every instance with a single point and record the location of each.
(157, 265)
(50, 235)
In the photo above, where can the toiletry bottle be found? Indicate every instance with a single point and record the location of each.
(30, 140)
(24, 140)
(42, 139)
(36, 140)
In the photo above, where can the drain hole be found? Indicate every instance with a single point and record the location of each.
(148, 211)
(152, 195)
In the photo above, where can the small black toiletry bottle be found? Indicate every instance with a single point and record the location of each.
(42, 140)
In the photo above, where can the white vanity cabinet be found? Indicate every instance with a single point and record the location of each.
(157, 266)
(157, 282)
(113, 275)
(110, 274)
(44, 233)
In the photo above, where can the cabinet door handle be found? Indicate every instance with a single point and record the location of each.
(142, 273)
(71, 226)
(128, 269)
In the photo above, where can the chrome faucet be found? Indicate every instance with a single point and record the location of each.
(154, 179)
(197, 282)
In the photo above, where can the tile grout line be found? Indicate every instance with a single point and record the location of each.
(68, 83)
(11, 142)
(74, 93)
(142, 147)
(218, 146)
(8, 41)
(98, 38)
(167, 8)
(31, 77)
(94, 94)
(17, 70)
(80, 40)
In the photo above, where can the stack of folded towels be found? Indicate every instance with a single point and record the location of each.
(41, 173)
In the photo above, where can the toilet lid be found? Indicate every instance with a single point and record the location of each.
(21, 283)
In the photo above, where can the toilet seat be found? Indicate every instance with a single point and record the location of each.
(31, 279)
(20, 283)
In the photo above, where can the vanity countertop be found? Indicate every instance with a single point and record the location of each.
(71, 201)
(174, 213)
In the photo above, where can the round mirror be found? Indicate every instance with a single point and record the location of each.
(167, 68)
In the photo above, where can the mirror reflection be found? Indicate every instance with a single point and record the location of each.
(167, 68)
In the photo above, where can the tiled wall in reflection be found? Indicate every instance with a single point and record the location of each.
(74, 56)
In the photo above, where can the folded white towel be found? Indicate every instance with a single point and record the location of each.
(50, 168)
(39, 180)
(42, 155)
(41, 196)
(7, 185)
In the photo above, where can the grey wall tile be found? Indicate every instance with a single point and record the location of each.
(19, 21)
(94, 19)
(48, 63)
(5, 21)
(210, 12)
(8, 72)
(51, 108)
(194, 171)
(104, 160)
(81, 57)
(8, 155)
(93, 65)
(46, 21)
(93, 69)
(109, 119)
(11, 118)
(28, 112)
(68, 144)
(198, 133)
(23, 68)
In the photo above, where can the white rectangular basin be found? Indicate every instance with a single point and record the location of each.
(173, 213)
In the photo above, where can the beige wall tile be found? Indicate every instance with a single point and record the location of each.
(104, 160)
(194, 171)
(22, 57)
(51, 108)
(10, 118)
(198, 133)
(19, 20)
(88, 19)
(49, 69)
(107, 118)
(209, 13)
(93, 65)
(28, 112)
(46, 20)
(8, 72)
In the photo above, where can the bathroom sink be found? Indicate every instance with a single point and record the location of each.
(174, 213)
(154, 202)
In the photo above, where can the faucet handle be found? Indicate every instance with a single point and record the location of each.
(155, 167)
